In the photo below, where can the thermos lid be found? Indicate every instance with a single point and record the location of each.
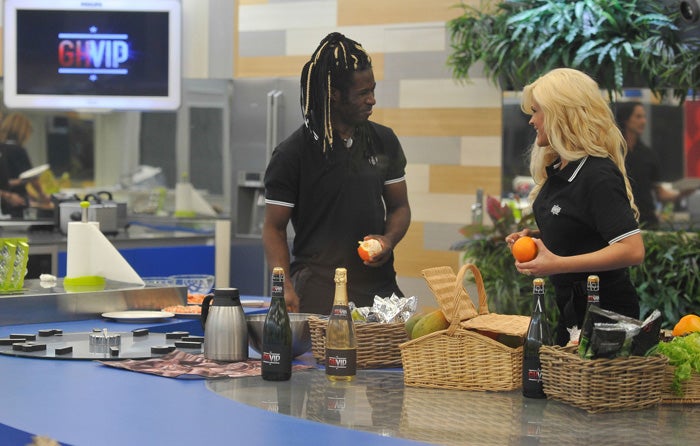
(227, 297)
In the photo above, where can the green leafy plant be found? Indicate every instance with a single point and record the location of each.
(613, 41)
(668, 280)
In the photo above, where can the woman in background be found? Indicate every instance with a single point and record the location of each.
(582, 200)
(15, 131)
(643, 165)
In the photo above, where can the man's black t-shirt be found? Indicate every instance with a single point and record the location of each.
(336, 199)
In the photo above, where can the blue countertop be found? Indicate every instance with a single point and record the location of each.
(82, 402)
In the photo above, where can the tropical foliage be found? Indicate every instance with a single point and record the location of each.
(668, 280)
(616, 42)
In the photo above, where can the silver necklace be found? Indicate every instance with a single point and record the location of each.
(348, 141)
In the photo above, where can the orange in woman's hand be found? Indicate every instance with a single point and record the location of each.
(368, 249)
(524, 249)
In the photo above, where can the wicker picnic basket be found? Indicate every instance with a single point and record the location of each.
(460, 357)
(689, 391)
(602, 385)
(377, 343)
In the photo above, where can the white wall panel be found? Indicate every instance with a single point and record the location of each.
(448, 93)
(195, 38)
(441, 208)
(296, 15)
(417, 178)
(419, 37)
(481, 151)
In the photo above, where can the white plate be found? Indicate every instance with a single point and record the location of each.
(254, 303)
(33, 172)
(138, 316)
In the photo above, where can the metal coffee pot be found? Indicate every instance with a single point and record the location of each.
(225, 328)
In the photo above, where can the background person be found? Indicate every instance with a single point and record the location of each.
(15, 131)
(582, 200)
(339, 179)
(642, 164)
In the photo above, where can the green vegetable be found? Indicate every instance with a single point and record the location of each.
(683, 352)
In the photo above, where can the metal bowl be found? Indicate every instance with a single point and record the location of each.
(301, 336)
(195, 283)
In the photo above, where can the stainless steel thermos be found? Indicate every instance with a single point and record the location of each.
(225, 328)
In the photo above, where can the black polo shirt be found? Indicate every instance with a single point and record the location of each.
(583, 208)
(337, 199)
(642, 164)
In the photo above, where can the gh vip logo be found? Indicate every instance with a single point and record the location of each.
(92, 53)
(271, 357)
(337, 362)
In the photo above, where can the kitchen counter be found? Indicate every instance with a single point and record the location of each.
(86, 403)
(154, 246)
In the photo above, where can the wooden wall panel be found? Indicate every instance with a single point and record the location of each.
(445, 179)
(289, 66)
(372, 12)
(411, 257)
(441, 121)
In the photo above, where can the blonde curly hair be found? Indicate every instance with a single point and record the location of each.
(578, 121)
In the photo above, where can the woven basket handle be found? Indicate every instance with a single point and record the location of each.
(481, 290)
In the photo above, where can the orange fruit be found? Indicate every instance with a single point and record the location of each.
(524, 249)
(687, 324)
(368, 249)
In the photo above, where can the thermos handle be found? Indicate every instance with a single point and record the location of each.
(205, 308)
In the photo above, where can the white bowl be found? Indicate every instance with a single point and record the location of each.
(195, 283)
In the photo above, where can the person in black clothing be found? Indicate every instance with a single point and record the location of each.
(339, 179)
(642, 165)
(15, 131)
(582, 200)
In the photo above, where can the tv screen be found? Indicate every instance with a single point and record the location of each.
(110, 54)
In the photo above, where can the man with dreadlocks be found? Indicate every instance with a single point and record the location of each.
(340, 179)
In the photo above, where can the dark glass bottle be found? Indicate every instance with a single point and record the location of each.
(341, 343)
(537, 335)
(276, 357)
(593, 293)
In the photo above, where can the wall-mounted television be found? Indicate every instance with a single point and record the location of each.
(92, 55)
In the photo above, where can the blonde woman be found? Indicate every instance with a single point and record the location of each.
(582, 201)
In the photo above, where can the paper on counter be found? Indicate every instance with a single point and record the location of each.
(90, 253)
(187, 199)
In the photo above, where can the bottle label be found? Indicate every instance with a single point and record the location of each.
(276, 360)
(534, 375)
(340, 311)
(341, 362)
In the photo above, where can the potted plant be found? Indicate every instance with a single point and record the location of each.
(615, 42)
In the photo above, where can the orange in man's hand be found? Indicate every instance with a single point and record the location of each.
(368, 249)
(524, 249)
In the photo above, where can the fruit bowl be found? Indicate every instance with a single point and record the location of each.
(301, 336)
(195, 283)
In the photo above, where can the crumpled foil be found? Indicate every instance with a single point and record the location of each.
(387, 310)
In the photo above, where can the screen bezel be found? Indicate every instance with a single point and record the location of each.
(15, 100)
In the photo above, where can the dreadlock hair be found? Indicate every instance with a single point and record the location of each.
(331, 66)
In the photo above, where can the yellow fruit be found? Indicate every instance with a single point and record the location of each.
(430, 323)
(411, 322)
(687, 324)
